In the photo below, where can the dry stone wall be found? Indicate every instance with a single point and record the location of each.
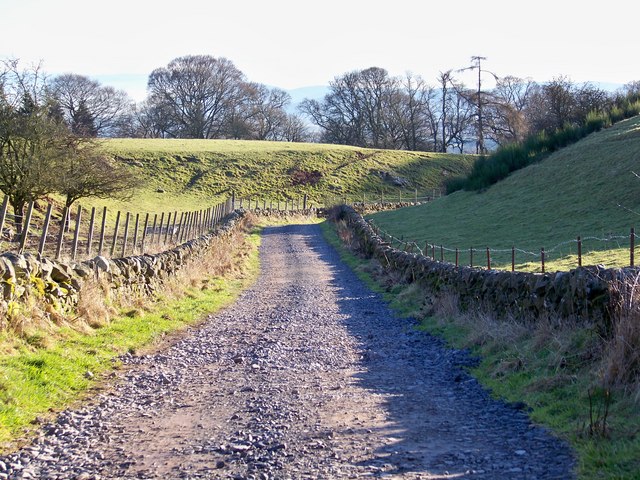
(586, 294)
(59, 284)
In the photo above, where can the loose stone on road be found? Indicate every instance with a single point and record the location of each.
(308, 375)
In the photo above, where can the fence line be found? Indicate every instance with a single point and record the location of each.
(71, 235)
(542, 256)
(386, 197)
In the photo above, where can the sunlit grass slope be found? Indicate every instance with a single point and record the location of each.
(588, 189)
(198, 172)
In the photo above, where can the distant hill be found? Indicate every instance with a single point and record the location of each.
(199, 172)
(587, 189)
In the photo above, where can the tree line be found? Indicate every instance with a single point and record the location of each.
(370, 108)
(200, 96)
(47, 125)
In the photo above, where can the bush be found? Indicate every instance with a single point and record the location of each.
(488, 170)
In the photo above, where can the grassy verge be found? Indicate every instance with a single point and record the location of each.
(564, 375)
(47, 367)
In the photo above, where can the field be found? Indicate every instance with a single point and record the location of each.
(197, 173)
(588, 189)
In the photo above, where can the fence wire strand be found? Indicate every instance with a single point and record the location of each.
(430, 246)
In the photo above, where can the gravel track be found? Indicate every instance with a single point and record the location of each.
(307, 375)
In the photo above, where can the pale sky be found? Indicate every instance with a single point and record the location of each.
(296, 43)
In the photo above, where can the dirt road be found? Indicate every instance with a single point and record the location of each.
(308, 375)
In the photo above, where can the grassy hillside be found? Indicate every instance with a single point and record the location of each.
(197, 172)
(587, 189)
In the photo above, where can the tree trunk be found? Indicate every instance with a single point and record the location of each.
(18, 212)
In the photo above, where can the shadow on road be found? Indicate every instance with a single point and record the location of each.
(438, 421)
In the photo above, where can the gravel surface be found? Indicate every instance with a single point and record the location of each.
(307, 375)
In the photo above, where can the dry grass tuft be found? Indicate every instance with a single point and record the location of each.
(221, 260)
(98, 304)
(621, 360)
(93, 304)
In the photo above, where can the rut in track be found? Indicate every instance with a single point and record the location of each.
(307, 375)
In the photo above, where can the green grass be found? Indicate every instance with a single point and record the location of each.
(555, 379)
(46, 371)
(587, 190)
(553, 371)
(196, 173)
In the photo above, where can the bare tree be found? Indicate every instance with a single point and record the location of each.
(454, 114)
(266, 111)
(89, 108)
(506, 105)
(199, 93)
(413, 113)
(294, 129)
(150, 120)
(358, 110)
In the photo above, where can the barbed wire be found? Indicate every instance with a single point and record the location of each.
(442, 248)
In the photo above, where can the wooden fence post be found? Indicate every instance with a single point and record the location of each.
(488, 259)
(185, 230)
(187, 226)
(144, 232)
(632, 247)
(166, 232)
(92, 222)
(115, 235)
(441, 253)
(126, 235)
(173, 225)
(471, 257)
(542, 258)
(76, 235)
(304, 202)
(176, 233)
(153, 229)
(233, 200)
(25, 229)
(61, 234)
(190, 224)
(156, 231)
(135, 233)
(579, 251)
(102, 230)
(513, 258)
(457, 253)
(45, 230)
(3, 212)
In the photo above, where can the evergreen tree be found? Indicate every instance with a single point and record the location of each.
(82, 123)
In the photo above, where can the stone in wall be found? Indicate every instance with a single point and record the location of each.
(60, 284)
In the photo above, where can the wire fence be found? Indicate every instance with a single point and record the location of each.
(386, 196)
(570, 253)
(79, 233)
